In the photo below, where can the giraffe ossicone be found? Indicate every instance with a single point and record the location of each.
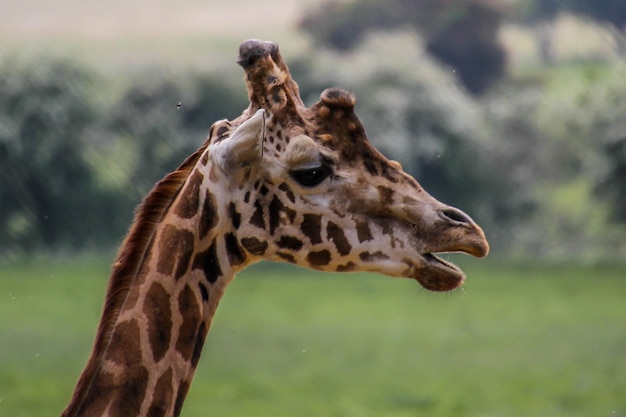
(282, 182)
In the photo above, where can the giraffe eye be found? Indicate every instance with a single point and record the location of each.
(311, 177)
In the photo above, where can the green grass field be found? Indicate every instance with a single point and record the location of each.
(517, 340)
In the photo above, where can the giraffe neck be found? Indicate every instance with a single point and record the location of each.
(158, 313)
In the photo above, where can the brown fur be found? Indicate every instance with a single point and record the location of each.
(125, 269)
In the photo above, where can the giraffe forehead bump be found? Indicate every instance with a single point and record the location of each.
(338, 98)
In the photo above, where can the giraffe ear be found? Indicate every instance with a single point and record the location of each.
(236, 155)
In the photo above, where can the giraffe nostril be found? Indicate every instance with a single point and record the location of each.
(456, 216)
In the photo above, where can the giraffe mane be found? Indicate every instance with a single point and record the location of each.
(129, 260)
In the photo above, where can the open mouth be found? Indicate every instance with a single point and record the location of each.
(436, 274)
(441, 263)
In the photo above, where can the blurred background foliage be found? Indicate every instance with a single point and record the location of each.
(534, 150)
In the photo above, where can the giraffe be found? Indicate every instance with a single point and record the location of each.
(281, 182)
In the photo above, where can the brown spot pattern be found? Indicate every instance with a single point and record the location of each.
(183, 389)
(371, 167)
(159, 313)
(131, 392)
(207, 261)
(290, 242)
(391, 174)
(177, 245)
(162, 396)
(349, 267)
(235, 216)
(285, 188)
(319, 258)
(371, 257)
(204, 292)
(257, 217)
(124, 348)
(387, 228)
(190, 311)
(312, 227)
(98, 397)
(208, 218)
(254, 245)
(336, 234)
(189, 200)
(276, 209)
(197, 349)
(386, 195)
(235, 255)
(286, 256)
(363, 231)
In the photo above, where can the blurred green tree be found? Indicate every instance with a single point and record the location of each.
(539, 15)
(613, 184)
(610, 12)
(460, 33)
(72, 171)
(147, 119)
(162, 120)
(47, 183)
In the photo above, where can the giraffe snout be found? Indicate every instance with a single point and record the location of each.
(469, 237)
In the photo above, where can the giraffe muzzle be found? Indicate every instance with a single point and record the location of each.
(470, 237)
(457, 233)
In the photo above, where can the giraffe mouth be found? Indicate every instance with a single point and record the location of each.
(465, 236)
(436, 274)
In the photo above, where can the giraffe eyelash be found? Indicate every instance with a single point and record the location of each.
(311, 177)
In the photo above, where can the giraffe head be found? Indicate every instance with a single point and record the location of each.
(306, 186)
(281, 182)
